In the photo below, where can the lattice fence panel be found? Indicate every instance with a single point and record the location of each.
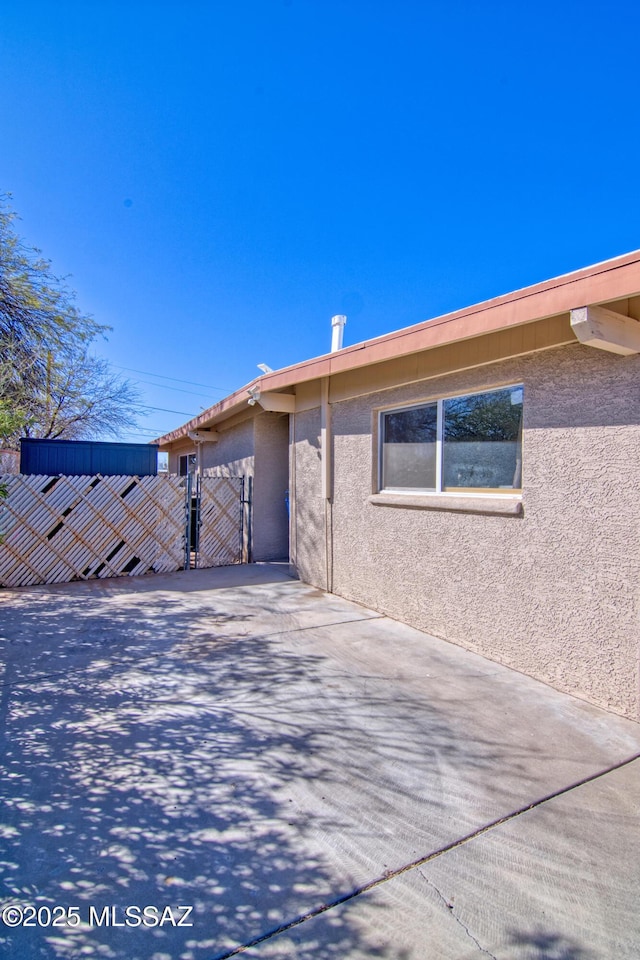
(220, 541)
(58, 529)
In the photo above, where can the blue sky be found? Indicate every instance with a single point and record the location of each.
(219, 179)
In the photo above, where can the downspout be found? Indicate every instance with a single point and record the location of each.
(337, 333)
(325, 461)
(293, 503)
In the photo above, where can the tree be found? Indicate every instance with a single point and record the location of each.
(483, 416)
(51, 384)
(80, 397)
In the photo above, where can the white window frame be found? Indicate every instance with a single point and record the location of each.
(439, 402)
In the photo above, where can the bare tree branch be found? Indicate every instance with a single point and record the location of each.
(51, 385)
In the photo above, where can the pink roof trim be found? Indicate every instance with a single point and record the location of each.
(613, 279)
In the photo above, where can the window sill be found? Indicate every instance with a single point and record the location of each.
(460, 503)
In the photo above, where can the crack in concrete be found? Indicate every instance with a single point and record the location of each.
(415, 864)
(6, 688)
(457, 919)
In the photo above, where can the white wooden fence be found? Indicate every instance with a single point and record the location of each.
(57, 529)
(221, 532)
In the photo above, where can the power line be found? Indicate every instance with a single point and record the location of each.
(165, 386)
(164, 410)
(162, 376)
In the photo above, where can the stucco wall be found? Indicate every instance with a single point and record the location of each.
(554, 592)
(308, 507)
(271, 523)
(233, 454)
(178, 451)
(257, 448)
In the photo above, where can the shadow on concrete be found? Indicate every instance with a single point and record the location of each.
(544, 945)
(153, 756)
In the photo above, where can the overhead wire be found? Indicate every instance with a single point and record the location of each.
(165, 386)
(163, 376)
(165, 410)
(148, 408)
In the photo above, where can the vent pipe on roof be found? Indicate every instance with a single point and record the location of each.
(337, 331)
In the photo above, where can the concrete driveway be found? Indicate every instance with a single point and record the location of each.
(312, 779)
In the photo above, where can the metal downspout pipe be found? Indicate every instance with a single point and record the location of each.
(325, 462)
(337, 334)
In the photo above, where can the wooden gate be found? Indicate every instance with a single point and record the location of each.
(219, 528)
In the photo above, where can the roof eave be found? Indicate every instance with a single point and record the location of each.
(609, 280)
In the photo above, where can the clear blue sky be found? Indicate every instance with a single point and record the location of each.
(221, 178)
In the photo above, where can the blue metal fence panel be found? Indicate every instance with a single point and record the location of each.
(78, 458)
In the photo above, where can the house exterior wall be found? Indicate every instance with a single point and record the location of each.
(553, 592)
(307, 504)
(257, 447)
(233, 455)
(178, 450)
(271, 522)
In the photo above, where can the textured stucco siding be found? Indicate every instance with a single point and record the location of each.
(308, 553)
(257, 448)
(233, 454)
(271, 522)
(179, 451)
(553, 593)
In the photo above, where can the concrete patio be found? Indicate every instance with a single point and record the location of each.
(315, 780)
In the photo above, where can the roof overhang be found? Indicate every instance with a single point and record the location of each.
(611, 280)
